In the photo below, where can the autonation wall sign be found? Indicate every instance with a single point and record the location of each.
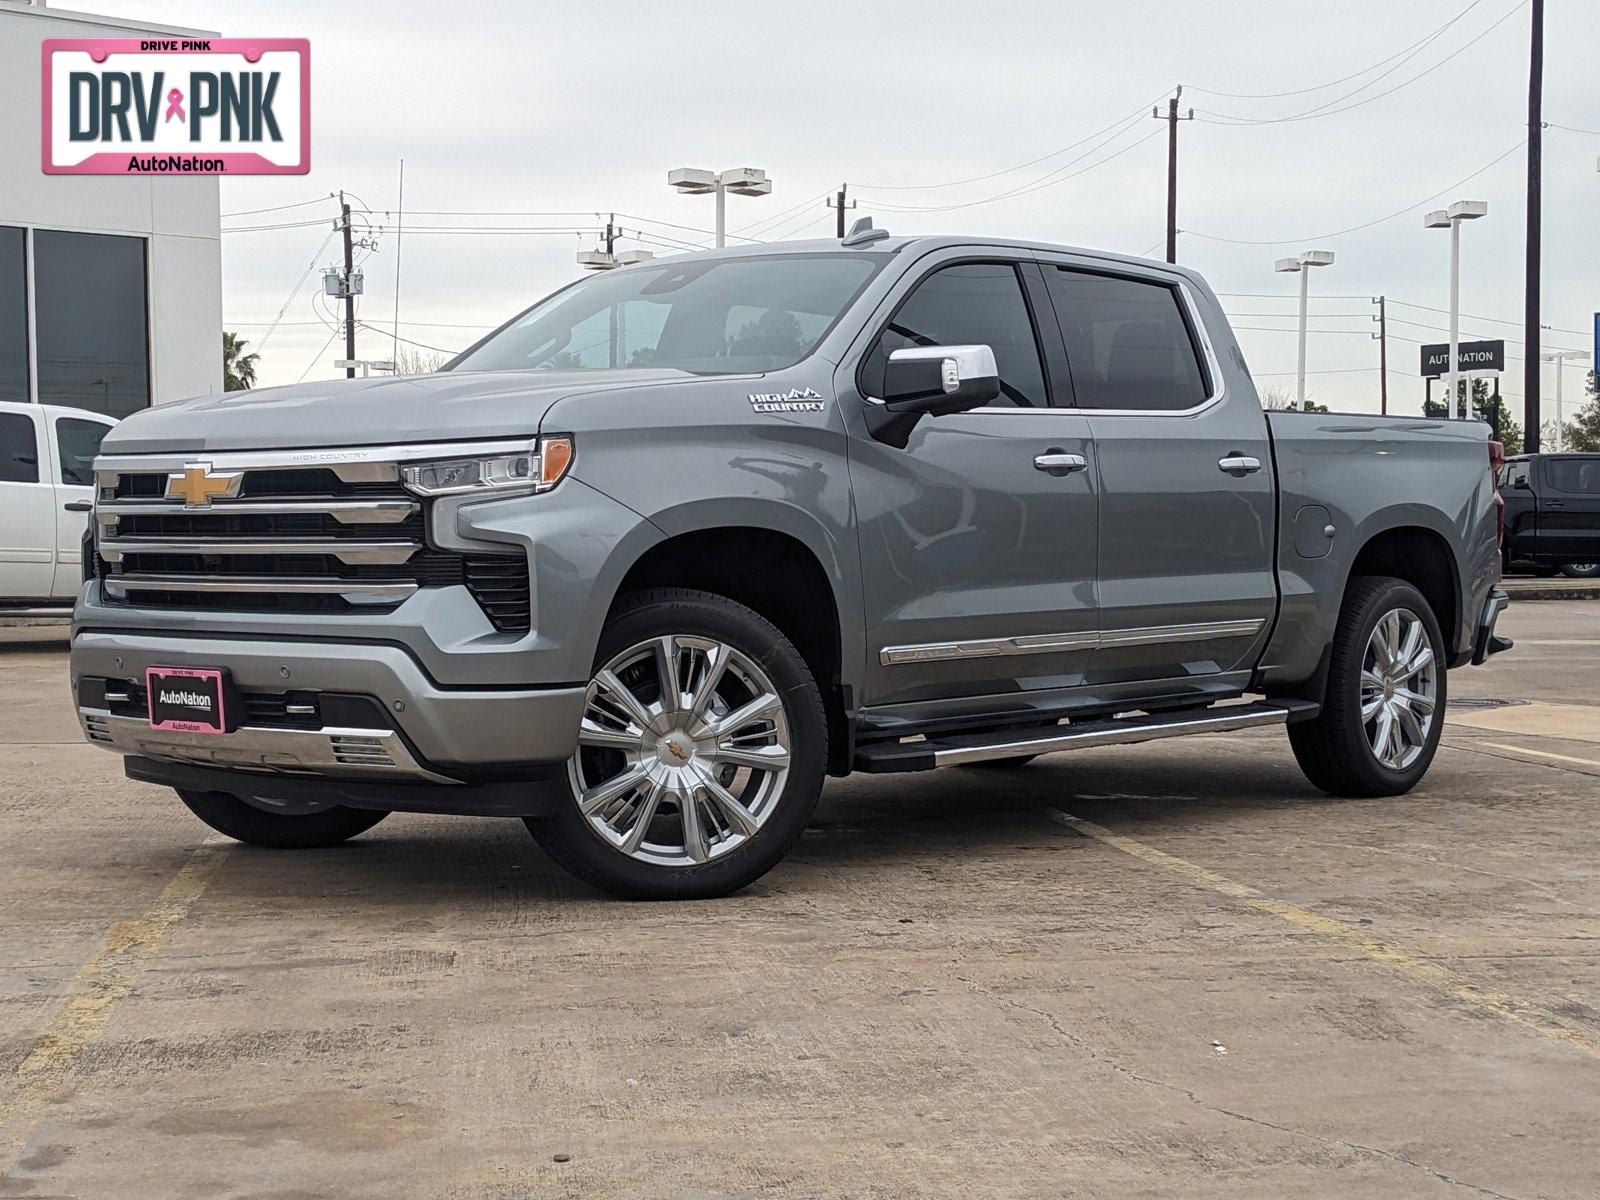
(170, 106)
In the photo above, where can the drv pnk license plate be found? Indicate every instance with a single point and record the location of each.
(189, 699)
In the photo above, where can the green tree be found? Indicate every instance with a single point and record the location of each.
(1486, 408)
(1583, 431)
(238, 368)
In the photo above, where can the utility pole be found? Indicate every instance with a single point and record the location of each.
(1383, 355)
(838, 202)
(1530, 316)
(1172, 118)
(349, 293)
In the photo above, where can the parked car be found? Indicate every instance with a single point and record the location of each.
(46, 486)
(646, 563)
(1553, 513)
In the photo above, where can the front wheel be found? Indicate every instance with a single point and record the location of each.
(277, 825)
(1383, 711)
(700, 752)
(1581, 570)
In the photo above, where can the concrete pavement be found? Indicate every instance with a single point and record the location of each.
(1163, 970)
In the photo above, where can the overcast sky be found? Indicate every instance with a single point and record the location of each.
(577, 108)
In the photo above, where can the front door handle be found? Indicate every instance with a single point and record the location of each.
(1239, 465)
(78, 506)
(1059, 462)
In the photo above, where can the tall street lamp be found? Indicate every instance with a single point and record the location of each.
(741, 181)
(1561, 358)
(1451, 218)
(1303, 264)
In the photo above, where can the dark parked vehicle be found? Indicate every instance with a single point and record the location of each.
(1553, 513)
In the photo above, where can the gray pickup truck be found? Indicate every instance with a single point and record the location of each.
(649, 561)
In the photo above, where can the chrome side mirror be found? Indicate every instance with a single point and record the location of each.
(931, 381)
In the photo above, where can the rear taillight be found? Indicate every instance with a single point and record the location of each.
(1497, 459)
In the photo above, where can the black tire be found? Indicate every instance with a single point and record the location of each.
(244, 822)
(992, 764)
(567, 836)
(1581, 570)
(1333, 749)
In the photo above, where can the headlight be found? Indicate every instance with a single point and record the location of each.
(536, 469)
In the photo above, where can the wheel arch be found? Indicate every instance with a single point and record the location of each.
(779, 574)
(1422, 557)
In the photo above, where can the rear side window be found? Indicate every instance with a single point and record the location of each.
(969, 304)
(1580, 476)
(19, 449)
(79, 441)
(1127, 342)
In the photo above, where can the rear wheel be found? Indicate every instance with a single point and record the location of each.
(1383, 712)
(279, 825)
(700, 754)
(1581, 570)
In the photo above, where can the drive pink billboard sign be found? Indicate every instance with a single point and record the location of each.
(177, 106)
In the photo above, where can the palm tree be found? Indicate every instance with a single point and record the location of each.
(238, 368)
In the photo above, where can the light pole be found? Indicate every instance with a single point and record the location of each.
(1561, 358)
(741, 181)
(1302, 265)
(1451, 218)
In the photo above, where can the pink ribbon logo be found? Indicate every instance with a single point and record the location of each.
(175, 105)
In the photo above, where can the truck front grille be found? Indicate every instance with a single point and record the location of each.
(345, 537)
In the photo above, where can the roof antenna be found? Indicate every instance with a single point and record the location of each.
(863, 234)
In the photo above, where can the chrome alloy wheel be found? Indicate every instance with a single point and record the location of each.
(683, 751)
(1399, 687)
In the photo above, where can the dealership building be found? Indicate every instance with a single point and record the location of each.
(110, 286)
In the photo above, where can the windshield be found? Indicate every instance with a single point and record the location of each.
(722, 316)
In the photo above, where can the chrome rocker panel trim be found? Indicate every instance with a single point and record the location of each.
(1051, 643)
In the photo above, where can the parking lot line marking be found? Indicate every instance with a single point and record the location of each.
(1502, 1004)
(1566, 758)
(99, 983)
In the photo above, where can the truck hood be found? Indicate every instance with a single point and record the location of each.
(449, 406)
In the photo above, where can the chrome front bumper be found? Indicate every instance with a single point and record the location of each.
(371, 754)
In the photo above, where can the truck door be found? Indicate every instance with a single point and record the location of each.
(978, 539)
(1186, 484)
(74, 441)
(27, 500)
(1569, 509)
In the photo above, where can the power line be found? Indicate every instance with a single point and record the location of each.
(250, 212)
(1038, 184)
(1572, 129)
(293, 292)
(407, 341)
(915, 187)
(1321, 87)
(1324, 110)
(1319, 237)
(280, 225)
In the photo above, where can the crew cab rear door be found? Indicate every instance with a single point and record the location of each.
(1186, 582)
(74, 441)
(1569, 508)
(27, 506)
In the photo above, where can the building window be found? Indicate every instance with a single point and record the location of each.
(13, 314)
(89, 305)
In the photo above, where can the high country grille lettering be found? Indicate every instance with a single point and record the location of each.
(794, 400)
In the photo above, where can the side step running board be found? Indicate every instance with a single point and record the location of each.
(1012, 743)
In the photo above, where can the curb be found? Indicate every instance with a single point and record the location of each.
(1587, 591)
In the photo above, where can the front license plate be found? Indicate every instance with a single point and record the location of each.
(187, 699)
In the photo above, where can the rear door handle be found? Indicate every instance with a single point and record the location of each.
(1555, 503)
(79, 506)
(1059, 462)
(1239, 465)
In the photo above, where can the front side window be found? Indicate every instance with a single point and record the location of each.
(1515, 475)
(968, 304)
(1579, 476)
(79, 441)
(19, 449)
(89, 301)
(724, 316)
(1128, 344)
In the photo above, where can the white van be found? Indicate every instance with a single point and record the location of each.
(46, 490)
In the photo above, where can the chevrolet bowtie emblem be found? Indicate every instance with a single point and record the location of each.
(196, 486)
